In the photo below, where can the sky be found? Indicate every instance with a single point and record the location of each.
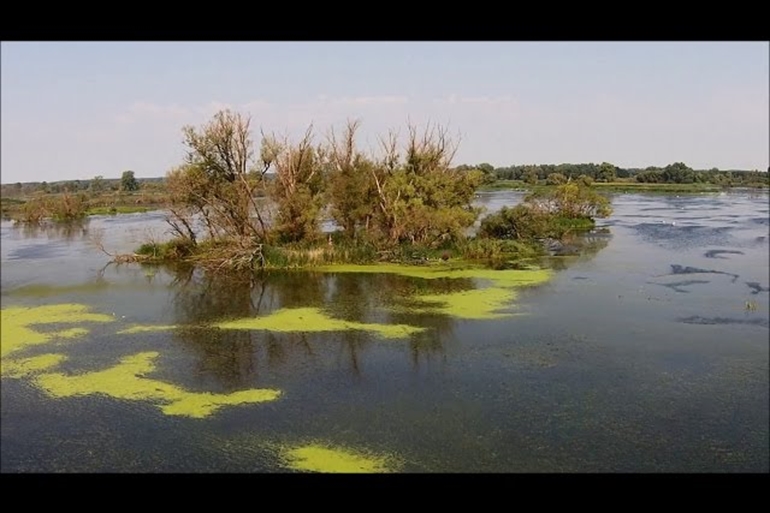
(75, 110)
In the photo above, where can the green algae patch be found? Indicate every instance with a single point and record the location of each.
(144, 329)
(127, 381)
(483, 303)
(319, 458)
(312, 320)
(15, 324)
(200, 405)
(500, 278)
(469, 304)
(27, 366)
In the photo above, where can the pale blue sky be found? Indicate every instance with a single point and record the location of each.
(76, 110)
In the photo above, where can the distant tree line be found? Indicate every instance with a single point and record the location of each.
(552, 174)
(128, 182)
(675, 173)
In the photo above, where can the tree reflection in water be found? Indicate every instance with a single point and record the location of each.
(54, 230)
(238, 359)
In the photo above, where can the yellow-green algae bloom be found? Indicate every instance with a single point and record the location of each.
(127, 380)
(21, 368)
(468, 304)
(483, 303)
(144, 329)
(312, 320)
(320, 458)
(15, 324)
(500, 278)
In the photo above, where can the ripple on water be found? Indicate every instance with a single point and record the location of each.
(37, 251)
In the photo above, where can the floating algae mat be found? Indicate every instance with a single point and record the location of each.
(313, 320)
(127, 380)
(500, 278)
(20, 368)
(320, 458)
(144, 329)
(483, 303)
(468, 304)
(16, 324)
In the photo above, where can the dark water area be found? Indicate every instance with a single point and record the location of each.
(647, 351)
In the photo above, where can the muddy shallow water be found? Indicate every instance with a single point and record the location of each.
(648, 352)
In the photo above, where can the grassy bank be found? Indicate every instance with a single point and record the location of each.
(121, 209)
(221, 254)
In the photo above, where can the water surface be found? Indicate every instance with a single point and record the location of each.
(648, 352)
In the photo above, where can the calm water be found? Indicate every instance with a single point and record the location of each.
(639, 355)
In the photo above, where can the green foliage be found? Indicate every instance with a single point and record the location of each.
(547, 213)
(343, 251)
(128, 182)
(114, 210)
(556, 179)
(521, 222)
(63, 207)
(530, 177)
(175, 249)
(496, 250)
(422, 200)
(298, 187)
(218, 181)
(97, 184)
(571, 200)
(650, 176)
(352, 195)
(606, 172)
(678, 172)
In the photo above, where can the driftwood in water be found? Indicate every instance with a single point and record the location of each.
(128, 258)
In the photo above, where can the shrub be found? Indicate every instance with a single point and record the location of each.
(570, 200)
(516, 223)
(556, 179)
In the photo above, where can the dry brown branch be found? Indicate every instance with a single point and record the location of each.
(96, 238)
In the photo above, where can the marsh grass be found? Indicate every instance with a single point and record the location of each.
(115, 210)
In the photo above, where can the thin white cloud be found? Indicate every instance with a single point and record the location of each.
(257, 106)
(370, 101)
(143, 110)
(495, 101)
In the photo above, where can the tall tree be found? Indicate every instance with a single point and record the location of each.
(97, 184)
(422, 199)
(128, 181)
(351, 190)
(298, 185)
(219, 180)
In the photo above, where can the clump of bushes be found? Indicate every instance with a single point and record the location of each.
(174, 249)
(65, 207)
(494, 250)
(547, 213)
